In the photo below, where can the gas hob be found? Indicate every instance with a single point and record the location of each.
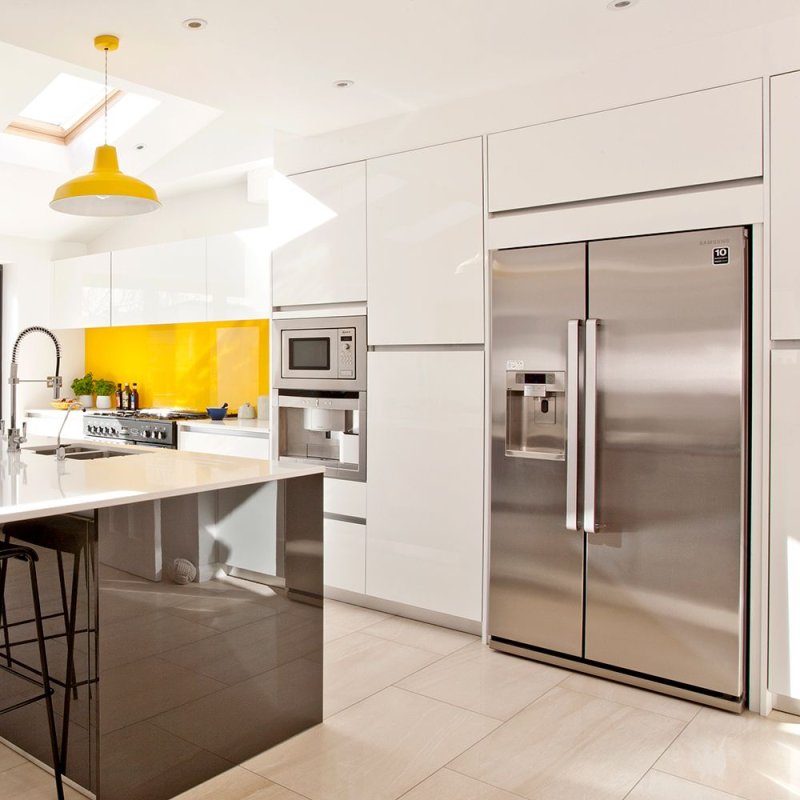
(155, 427)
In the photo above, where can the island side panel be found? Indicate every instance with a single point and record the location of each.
(197, 678)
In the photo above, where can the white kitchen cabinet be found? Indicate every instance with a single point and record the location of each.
(224, 442)
(345, 539)
(162, 283)
(318, 228)
(48, 423)
(784, 557)
(688, 140)
(425, 489)
(425, 245)
(82, 292)
(239, 285)
(785, 205)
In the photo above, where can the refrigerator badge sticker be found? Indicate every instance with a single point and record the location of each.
(721, 255)
(515, 365)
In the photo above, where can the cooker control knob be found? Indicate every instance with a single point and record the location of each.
(147, 434)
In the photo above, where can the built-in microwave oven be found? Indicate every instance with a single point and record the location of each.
(323, 353)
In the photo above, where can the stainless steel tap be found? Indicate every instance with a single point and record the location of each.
(15, 438)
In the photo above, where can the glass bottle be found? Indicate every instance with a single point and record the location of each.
(126, 397)
(120, 404)
(135, 397)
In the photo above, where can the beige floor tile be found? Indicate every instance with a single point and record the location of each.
(375, 750)
(349, 617)
(568, 745)
(29, 782)
(478, 678)
(358, 665)
(743, 754)
(332, 631)
(631, 696)
(448, 785)
(660, 786)
(418, 634)
(9, 759)
(238, 784)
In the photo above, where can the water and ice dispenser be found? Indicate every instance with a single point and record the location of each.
(536, 415)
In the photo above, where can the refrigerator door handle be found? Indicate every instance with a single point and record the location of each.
(590, 523)
(573, 364)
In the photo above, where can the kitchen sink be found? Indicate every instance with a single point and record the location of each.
(81, 453)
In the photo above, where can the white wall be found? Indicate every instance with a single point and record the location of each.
(221, 209)
(27, 301)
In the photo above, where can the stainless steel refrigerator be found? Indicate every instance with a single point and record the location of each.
(619, 459)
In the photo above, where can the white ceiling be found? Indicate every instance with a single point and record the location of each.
(269, 64)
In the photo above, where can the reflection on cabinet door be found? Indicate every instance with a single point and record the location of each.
(159, 283)
(425, 489)
(425, 245)
(318, 224)
(239, 275)
(82, 292)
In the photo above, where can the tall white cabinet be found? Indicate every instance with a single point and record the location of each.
(785, 205)
(425, 245)
(425, 491)
(318, 224)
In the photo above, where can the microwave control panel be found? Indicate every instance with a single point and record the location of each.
(347, 362)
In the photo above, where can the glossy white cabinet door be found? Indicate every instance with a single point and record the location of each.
(344, 550)
(239, 285)
(784, 571)
(785, 205)
(425, 245)
(224, 444)
(159, 283)
(318, 225)
(425, 489)
(689, 140)
(82, 292)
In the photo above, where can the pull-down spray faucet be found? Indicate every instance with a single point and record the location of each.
(15, 438)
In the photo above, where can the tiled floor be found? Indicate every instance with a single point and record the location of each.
(423, 713)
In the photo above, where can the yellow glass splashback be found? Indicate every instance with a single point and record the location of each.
(189, 365)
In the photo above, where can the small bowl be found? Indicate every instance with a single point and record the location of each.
(217, 413)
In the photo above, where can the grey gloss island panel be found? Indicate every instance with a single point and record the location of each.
(187, 681)
(649, 585)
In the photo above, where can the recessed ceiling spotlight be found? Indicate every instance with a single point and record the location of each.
(342, 84)
(140, 146)
(194, 24)
(619, 5)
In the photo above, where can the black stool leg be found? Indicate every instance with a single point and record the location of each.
(48, 692)
(70, 675)
(73, 613)
(4, 615)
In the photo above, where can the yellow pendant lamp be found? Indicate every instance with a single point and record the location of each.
(105, 191)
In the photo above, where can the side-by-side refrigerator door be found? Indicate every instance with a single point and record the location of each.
(665, 569)
(536, 571)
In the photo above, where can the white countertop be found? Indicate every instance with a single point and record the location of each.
(36, 485)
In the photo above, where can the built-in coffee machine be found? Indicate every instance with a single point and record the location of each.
(320, 402)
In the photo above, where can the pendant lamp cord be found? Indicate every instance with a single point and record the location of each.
(105, 101)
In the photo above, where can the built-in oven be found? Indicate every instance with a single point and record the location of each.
(320, 400)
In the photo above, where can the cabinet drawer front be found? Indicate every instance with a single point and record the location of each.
(220, 444)
(348, 498)
(703, 137)
(345, 547)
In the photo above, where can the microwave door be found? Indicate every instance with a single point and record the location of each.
(310, 354)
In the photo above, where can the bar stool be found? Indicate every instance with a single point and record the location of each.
(7, 552)
(64, 534)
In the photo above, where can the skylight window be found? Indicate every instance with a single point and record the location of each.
(65, 108)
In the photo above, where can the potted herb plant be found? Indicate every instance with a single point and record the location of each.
(103, 389)
(83, 389)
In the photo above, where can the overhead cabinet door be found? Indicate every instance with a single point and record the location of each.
(160, 283)
(82, 292)
(425, 245)
(239, 275)
(318, 220)
(703, 137)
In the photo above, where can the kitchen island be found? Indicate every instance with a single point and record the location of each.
(172, 683)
